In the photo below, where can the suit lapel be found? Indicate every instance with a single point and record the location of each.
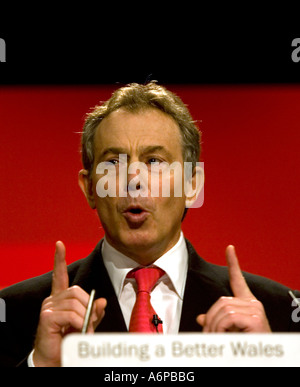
(92, 274)
(204, 286)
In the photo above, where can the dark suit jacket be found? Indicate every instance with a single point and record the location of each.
(206, 282)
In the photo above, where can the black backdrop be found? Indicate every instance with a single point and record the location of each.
(105, 49)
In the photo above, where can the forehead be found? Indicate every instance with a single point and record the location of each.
(150, 127)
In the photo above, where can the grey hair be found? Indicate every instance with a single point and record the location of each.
(134, 98)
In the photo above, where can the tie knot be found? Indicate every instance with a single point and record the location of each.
(146, 277)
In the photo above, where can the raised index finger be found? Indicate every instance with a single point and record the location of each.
(238, 284)
(60, 278)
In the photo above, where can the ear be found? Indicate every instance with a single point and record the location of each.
(193, 186)
(85, 183)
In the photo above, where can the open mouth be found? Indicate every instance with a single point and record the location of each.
(135, 215)
(135, 210)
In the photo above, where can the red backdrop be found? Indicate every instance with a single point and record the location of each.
(251, 146)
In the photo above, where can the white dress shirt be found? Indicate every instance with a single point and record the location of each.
(166, 296)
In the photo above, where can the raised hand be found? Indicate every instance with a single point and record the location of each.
(240, 313)
(62, 312)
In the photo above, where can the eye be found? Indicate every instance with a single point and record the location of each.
(112, 161)
(153, 160)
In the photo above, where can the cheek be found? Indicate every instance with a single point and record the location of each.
(106, 209)
(169, 183)
(105, 184)
(169, 210)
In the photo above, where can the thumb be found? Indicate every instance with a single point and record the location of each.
(237, 281)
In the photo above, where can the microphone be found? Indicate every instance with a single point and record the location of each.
(156, 320)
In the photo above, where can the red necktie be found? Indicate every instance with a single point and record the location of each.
(142, 317)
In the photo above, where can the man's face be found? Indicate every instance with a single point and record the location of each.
(143, 228)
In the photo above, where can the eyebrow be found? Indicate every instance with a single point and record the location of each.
(112, 150)
(155, 148)
(143, 150)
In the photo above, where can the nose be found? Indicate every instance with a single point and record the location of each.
(137, 179)
(133, 182)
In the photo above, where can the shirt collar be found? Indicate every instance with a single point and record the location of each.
(173, 262)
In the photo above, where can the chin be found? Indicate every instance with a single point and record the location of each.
(138, 242)
(138, 238)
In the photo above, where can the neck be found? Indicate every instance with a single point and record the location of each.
(146, 255)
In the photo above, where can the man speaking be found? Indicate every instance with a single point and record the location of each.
(147, 276)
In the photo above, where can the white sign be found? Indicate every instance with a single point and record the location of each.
(182, 350)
